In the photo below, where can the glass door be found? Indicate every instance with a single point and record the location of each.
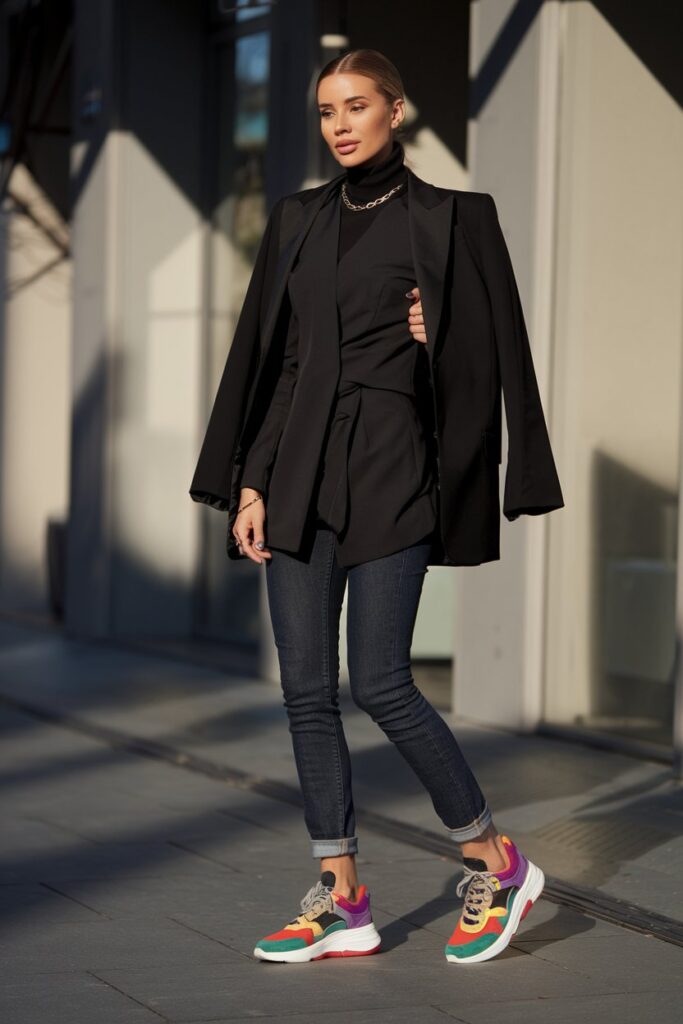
(238, 111)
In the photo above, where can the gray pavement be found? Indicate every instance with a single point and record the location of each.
(133, 889)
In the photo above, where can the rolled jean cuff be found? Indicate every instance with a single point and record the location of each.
(334, 847)
(474, 829)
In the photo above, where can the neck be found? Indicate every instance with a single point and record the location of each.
(372, 179)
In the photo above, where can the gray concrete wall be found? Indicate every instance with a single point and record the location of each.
(499, 626)
(35, 329)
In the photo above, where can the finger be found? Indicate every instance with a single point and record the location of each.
(260, 541)
(243, 533)
(256, 539)
(413, 293)
(250, 552)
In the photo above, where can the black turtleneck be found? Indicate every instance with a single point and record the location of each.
(366, 182)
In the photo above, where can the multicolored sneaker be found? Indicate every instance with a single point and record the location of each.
(328, 925)
(494, 905)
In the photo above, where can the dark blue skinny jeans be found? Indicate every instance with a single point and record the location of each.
(305, 600)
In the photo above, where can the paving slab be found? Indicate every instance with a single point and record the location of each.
(67, 998)
(412, 1014)
(44, 905)
(33, 947)
(635, 963)
(614, 1008)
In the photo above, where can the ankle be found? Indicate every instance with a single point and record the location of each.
(344, 870)
(348, 891)
(487, 847)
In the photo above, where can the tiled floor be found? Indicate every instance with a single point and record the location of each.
(133, 890)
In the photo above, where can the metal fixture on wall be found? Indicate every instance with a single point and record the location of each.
(224, 8)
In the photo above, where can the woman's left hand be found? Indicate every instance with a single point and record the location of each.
(416, 324)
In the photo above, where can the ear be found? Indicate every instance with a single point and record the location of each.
(398, 111)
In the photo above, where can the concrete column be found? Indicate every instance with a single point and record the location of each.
(137, 232)
(35, 322)
(500, 622)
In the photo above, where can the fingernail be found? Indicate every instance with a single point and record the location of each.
(259, 545)
(409, 294)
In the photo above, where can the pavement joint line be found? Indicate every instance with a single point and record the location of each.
(201, 856)
(74, 899)
(590, 902)
(212, 938)
(126, 995)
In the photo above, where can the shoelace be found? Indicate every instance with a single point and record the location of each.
(480, 892)
(318, 898)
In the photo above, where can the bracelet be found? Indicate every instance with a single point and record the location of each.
(259, 497)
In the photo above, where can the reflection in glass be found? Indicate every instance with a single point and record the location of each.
(238, 220)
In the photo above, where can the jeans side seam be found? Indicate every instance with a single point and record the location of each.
(449, 771)
(397, 598)
(326, 634)
(434, 744)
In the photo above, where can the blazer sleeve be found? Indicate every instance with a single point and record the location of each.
(212, 480)
(260, 456)
(532, 486)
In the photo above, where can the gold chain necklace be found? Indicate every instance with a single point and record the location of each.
(373, 202)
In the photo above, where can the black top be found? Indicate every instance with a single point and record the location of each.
(376, 485)
(363, 184)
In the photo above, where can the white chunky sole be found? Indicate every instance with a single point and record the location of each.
(349, 942)
(526, 897)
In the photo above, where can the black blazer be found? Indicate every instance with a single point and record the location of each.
(364, 421)
(477, 346)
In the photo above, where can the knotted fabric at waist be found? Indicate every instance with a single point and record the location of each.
(333, 496)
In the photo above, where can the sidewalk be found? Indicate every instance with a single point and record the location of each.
(133, 889)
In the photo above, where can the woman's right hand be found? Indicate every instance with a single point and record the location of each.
(248, 528)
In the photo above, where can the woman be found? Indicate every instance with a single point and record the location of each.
(355, 440)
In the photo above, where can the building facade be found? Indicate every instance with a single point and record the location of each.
(142, 146)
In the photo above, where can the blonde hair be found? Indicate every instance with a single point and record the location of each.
(372, 64)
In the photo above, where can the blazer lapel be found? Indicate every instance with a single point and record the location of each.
(431, 218)
(297, 219)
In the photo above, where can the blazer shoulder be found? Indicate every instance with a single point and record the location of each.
(462, 194)
(470, 205)
(476, 197)
(306, 195)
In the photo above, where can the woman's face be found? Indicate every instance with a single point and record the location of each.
(355, 118)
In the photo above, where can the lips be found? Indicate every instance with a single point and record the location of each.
(346, 147)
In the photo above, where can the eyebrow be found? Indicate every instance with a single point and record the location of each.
(349, 100)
